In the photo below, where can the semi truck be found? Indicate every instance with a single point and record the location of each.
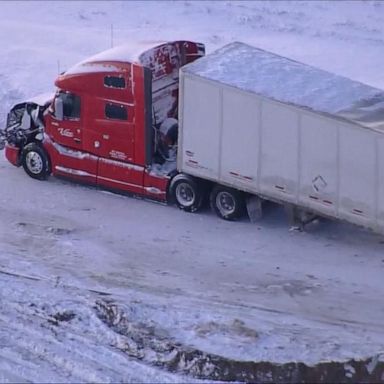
(248, 125)
(111, 123)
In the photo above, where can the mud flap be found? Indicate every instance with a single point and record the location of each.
(254, 208)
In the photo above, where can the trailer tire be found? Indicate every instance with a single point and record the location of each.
(227, 203)
(186, 192)
(35, 161)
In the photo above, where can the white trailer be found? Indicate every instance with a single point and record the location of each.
(253, 123)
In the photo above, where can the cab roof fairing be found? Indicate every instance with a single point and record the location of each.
(127, 53)
(68, 80)
(137, 53)
(93, 67)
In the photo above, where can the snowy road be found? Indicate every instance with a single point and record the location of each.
(236, 289)
(98, 287)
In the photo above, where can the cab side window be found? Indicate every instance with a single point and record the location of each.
(116, 111)
(114, 82)
(71, 105)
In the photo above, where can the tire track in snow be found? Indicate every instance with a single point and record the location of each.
(61, 337)
(144, 344)
(44, 347)
(89, 339)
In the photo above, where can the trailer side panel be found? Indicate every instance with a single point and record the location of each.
(201, 121)
(281, 152)
(240, 139)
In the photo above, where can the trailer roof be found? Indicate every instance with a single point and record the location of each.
(282, 79)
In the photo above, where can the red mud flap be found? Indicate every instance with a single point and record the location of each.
(12, 154)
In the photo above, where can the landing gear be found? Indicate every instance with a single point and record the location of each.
(298, 218)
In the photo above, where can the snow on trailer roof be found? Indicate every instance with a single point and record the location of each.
(282, 79)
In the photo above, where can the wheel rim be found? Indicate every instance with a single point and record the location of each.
(34, 162)
(185, 194)
(226, 203)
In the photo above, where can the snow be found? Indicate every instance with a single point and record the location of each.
(41, 99)
(181, 281)
(254, 70)
(122, 53)
(86, 67)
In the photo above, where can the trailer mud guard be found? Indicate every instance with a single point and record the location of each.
(254, 208)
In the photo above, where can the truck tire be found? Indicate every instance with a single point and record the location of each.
(35, 161)
(186, 193)
(227, 203)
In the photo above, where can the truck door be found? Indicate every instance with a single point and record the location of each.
(117, 168)
(110, 133)
(67, 128)
(64, 126)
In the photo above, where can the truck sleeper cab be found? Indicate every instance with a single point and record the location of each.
(103, 126)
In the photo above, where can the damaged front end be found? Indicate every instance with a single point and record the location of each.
(2, 140)
(25, 123)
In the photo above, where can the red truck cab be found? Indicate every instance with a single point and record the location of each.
(103, 126)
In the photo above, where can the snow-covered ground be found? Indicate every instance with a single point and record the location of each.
(107, 288)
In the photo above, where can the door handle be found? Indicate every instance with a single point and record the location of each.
(76, 140)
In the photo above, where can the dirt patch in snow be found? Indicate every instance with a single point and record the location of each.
(60, 317)
(39, 229)
(152, 345)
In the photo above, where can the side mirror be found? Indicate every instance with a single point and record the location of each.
(59, 109)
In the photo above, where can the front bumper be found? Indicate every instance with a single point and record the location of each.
(12, 154)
